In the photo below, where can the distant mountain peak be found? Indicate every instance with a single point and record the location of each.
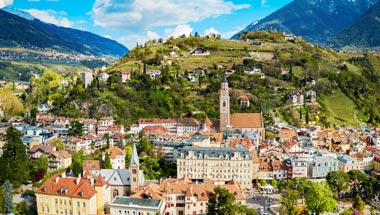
(19, 13)
(31, 32)
(314, 20)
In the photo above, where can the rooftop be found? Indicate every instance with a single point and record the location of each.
(121, 200)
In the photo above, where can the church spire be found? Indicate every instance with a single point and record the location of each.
(134, 158)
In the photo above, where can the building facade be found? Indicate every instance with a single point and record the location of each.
(320, 166)
(224, 164)
(72, 196)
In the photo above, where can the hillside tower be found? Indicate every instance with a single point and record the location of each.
(224, 108)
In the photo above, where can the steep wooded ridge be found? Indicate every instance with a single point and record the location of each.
(364, 33)
(314, 20)
(16, 31)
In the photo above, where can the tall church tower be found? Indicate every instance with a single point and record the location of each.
(134, 169)
(224, 108)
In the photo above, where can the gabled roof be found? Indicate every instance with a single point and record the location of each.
(115, 152)
(99, 181)
(44, 149)
(247, 120)
(72, 187)
(116, 176)
(60, 154)
(91, 164)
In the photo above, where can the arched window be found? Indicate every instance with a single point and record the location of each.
(115, 193)
(224, 103)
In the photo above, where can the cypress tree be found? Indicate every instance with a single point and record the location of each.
(107, 162)
(8, 200)
(14, 163)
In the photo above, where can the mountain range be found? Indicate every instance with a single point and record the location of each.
(319, 20)
(16, 31)
(364, 33)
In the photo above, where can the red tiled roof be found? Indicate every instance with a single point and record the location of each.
(72, 187)
(115, 151)
(60, 154)
(99, 181)
(91, 164)
(247, 120)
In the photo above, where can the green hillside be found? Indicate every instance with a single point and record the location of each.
(341, 80)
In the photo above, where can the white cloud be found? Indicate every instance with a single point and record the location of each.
(211, 30)
(4, 3)
(140, 15)
(264, 3)
(82, 21)
(178, 31)
(131, 40)
(51, 16)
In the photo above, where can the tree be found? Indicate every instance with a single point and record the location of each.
(223, 203)
(347, 212)
(358, 204)
(1, 198)
(107, 137)
(42, 162)
(357, 178)
(263, 183)
(128, 155)
(107, 162)
(274, 183)
(10, 104)
(289, 198)
(319, 198)
(58, 143)
(77, 167)
(144, 144)
(14, 162)
(338, 181)
(76, 129)
(8, 197)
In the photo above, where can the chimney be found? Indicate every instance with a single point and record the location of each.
(57, 179)
(64, 175)
(92, 181)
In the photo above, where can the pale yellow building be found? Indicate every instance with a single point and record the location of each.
(223, 165)
(72, 196)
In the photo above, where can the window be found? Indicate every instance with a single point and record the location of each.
(78, 204)
(78, 213)
(84, 204)
(115, 193)
(56, 201)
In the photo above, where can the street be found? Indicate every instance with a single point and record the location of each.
(262, 202)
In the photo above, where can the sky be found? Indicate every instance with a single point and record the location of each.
(135, 21)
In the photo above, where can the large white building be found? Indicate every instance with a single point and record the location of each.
(223, 164)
